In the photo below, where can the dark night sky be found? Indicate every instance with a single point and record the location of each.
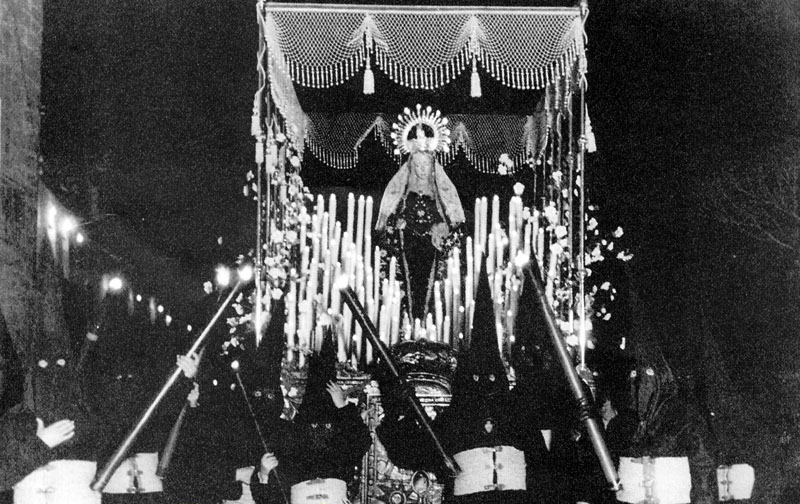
(151, 101)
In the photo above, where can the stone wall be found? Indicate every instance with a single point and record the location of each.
(29, 298)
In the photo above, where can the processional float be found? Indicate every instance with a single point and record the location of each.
(322, 46)
(303, 250)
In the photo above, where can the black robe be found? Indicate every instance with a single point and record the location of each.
(461, 427)
(331, 450)
(679, 430)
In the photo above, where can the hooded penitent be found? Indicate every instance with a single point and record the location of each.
(317, 406)
(320, 452)
(673, 438)
(480, 373)
(220, 435)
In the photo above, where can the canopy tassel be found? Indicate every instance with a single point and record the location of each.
(475, 84)
(369, 79)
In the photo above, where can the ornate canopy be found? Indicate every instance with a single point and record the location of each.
(323, 46)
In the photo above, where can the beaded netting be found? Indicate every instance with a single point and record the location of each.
(422, 49)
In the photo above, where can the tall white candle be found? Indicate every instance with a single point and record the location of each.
(492, 250)
(495, 212)
(437, 303)
(384, 325)
(396, 316)
(484, 218)
(331, 216)
(351, 208)
(360, 227)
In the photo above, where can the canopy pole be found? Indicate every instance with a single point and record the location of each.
(257, 130)
(581, 170)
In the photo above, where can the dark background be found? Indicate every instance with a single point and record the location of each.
(150, 102)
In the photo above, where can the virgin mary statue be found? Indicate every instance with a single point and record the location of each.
(420, 218)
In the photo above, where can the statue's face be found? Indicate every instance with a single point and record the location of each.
(421, 165)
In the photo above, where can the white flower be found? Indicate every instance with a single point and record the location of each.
(519, 187)
(277, 236)
(502, 170)
(505, 160)
(618, 232)
(42, 363)
(208, 287)
(610, 246)
(276, 293)
(622, 256)
(277, 273)
(605, 285)
(280, 138)
(561, 232)
(61, 362)
(295, 161)
(591, 224)
(557, 176)
(551, 213)
(250, 176)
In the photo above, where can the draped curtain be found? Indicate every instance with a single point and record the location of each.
(322, 46)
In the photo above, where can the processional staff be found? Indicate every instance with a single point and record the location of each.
(575, 383)
(369, 329)
(104, 475)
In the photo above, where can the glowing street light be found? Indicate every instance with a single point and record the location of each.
(115, 284)
(223, 276)
(246, 272)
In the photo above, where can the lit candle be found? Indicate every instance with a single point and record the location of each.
(457, 314)
(315, 235)
(336, 243)
(495, 212)
(384, 325)
(484, 217)
(336, 295)
(326, 281)
(396, 317)
(320, 207)
(476, 238)
(490, 258)
(304, 260)
(360, 227)
(513, 242)
(446, 330)
(437, 303)
(351, 208)
(448, 301)
(528, 235)
(325, 235)
(331, 216)
(540, 249)
(370, 309)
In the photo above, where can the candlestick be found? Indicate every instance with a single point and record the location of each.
(484, 216)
